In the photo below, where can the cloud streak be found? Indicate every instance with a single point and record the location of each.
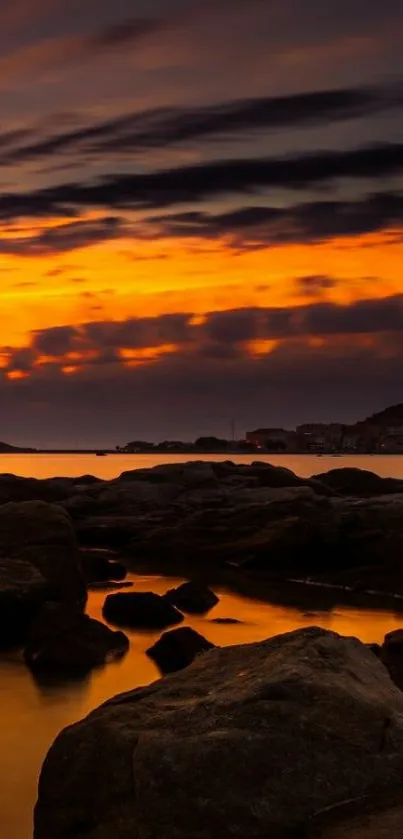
(308, 222)
(169, 126)
(221, 335)
(194, 184)
(63, 238)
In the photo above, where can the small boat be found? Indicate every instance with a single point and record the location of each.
(100, 454)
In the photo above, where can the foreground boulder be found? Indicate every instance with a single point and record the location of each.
(248, 741)
(42, 535)
(63, 640)
(141, 610)
(177, 649)
(23, 589)
(194, 598)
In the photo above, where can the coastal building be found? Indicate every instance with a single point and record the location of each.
(319, 437)
(272, 438)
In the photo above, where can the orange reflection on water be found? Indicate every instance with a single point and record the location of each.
(32, 714)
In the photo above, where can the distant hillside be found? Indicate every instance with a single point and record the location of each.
(5, 448)
(389, 417)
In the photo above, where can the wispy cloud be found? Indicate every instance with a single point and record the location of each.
(314, 221)
(194, 184)
(139, 131)
(63, 238)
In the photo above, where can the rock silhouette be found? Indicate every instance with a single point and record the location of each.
(248, 741)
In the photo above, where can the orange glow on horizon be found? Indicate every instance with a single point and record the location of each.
(69, 370)
(142, 354)
(261, 348)
(17, 374)
(118, 280)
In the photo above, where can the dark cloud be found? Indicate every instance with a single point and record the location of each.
(126, 33)
(21, 359)
(55, 340)
(315, 285)
(211, 376)
(189, 394)
(104, 337)
(186, 184)
(221, 335)
(307, 222)
(159, 128)
(138, 333)
(316, 319)
(63, 238)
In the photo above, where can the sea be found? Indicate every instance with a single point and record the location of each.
(33, 712)
(109, 467)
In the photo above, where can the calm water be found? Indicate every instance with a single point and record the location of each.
(57, 465)
(32, 714)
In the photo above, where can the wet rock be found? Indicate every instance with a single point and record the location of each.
(376, 649)
(98, 566)
(359, 482)
(16, 488)
(142, 610)
(79, 506)
(110, 531)
(364, 818)
(197, 475)
(61, 639)
(226, 621)
(42, 534)
(109, 586)
(23, 590)
(391, 655)
(164, 473)
(87, 480)
(177, 649)
(248, 741)
(133, 496)
(193, 598)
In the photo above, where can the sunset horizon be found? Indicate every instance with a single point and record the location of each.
(196, 227)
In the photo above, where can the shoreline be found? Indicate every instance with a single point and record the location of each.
(203, 454)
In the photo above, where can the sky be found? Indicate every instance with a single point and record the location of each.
(201, 216)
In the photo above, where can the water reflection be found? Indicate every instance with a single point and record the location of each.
(73, 465)
(32, 713)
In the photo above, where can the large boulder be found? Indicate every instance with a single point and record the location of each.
(248, 741)
(111, 532)
(193, 598)
(281, 529)
(42, 534)
(178, 648)
(142, 610)
(61, 639)
(359, 482)
(17, 488)
(22, 591)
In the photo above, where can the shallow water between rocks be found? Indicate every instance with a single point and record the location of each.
(32, 713)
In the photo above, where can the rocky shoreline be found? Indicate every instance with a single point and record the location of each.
(337, 537)
(297, 737)
(261, 530)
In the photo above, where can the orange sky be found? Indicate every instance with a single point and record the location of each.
(118, 280)
(211, 225)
